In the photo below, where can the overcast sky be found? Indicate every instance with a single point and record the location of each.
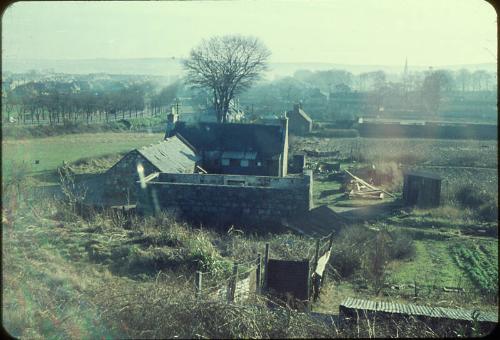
(364, 32)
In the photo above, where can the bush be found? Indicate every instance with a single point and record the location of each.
(484, 204)
(489, 211)
(470, 196)
(401, 246)
(349, 250)
(344, 262)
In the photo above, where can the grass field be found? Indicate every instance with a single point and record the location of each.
(52, 151)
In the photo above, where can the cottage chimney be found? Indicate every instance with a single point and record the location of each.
(284, 158)
(296, 107)
(172, 119)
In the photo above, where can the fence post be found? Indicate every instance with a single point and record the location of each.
(266, 266)
(232, 284)
(198, 283)
(257, 275)
(316, 254)
(331, 242)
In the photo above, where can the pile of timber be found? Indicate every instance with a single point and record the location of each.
(361, 189)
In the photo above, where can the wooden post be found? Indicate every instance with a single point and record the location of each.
(316, 254)
(266, 260)
(331, 242)
(257, 275)
(232, 285)
(198, 283)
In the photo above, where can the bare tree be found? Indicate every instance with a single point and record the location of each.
(226, 66)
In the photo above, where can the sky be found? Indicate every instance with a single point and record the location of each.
(354, 32)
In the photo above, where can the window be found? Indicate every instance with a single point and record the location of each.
(225, 162)
(234, 162)
(259, 163)
(233, 182)
(244, 163)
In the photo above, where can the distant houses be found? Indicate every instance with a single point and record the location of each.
(300, 122)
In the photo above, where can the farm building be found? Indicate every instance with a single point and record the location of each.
(422, 189)
(243, 149)
(300, 122)
(172, 155)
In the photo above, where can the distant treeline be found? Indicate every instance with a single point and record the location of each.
(57, 101)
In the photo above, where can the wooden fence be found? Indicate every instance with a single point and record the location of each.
(283, 281)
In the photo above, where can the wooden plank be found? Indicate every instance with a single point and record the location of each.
(367, 184)
(322, 262)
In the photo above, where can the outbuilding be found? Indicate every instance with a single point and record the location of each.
(172, 155)
(421, 189)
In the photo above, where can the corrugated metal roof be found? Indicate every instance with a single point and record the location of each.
(170, 155)
(411, 309)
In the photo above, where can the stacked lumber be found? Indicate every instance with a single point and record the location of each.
(361, 189)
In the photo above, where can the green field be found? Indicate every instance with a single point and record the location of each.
(52, 151)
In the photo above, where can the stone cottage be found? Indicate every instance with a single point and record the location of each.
(300, 122)
(172, 155)
(243, 149)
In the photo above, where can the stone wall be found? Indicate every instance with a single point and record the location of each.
(239, 180)
(222, 200)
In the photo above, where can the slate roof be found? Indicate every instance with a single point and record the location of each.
(170, 155)
(266, 140)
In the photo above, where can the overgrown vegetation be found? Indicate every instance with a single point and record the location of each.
(483, 203)
(113, 276)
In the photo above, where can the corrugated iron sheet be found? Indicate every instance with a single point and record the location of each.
(418, 310)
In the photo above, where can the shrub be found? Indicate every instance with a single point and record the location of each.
(401, 246)
(349, 250)
(489, 211)
(471, 196)
(484, 204)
